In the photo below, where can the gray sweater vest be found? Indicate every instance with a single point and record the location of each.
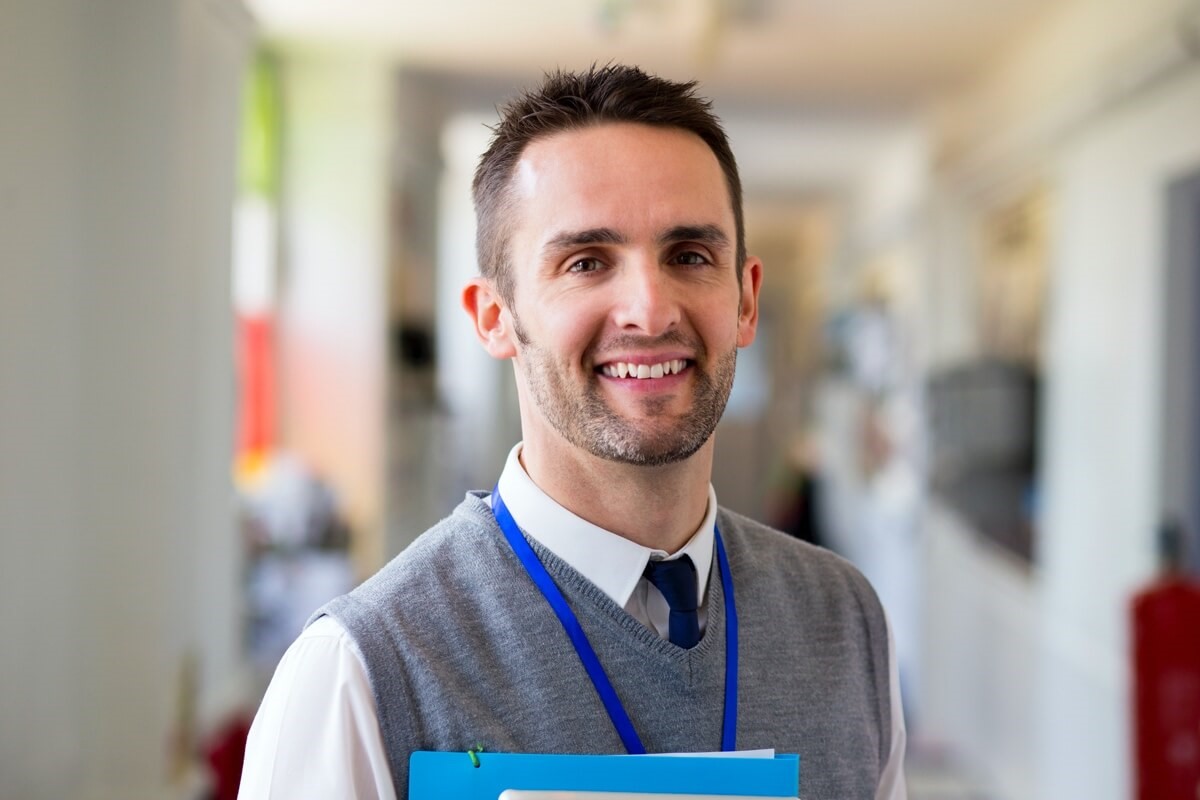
(461, 649)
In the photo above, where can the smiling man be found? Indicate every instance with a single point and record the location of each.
(598, 599)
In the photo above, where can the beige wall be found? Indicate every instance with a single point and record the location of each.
(333, 300)
(118, 551)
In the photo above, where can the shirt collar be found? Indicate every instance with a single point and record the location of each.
(610, 561)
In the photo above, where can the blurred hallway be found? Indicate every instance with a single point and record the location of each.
(976, 375)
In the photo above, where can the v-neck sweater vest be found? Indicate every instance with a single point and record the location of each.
(461, 649)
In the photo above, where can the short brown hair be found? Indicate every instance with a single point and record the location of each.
(573, 100)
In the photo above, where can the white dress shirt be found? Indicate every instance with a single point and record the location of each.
(316, 733)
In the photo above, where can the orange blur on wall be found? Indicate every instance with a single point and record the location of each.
(256, 391)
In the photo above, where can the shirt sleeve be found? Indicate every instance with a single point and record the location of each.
(892, 784)
(316, 733)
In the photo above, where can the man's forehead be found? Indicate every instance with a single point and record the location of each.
(585, 150)
(617, 174)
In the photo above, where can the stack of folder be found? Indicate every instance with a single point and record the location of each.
(527, 776)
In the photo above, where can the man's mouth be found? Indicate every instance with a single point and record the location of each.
(623, 369)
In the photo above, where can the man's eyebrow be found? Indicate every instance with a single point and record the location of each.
(568, 239)
(705, 234)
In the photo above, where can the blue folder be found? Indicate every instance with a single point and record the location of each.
(455, 776)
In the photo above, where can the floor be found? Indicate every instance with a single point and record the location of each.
(934, 776)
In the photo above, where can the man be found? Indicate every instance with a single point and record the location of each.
(587, 604)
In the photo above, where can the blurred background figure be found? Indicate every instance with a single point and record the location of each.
(297, 557)
(795, 502)
(233, 378)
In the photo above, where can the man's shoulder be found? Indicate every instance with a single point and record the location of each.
(745, 533)
(468, 526)
(453, 553)
(770, 554)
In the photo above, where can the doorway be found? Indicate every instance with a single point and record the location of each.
(1181, 364)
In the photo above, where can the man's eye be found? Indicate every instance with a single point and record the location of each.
(584, 265)
(691, 258)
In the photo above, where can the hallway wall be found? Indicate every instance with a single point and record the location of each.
(118, 554)
(1103, 420)
(1028, 666)
(337, 163)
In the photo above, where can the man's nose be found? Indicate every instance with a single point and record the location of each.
(648, 303)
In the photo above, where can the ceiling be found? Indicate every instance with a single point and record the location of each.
(848, 51)
(811, 90)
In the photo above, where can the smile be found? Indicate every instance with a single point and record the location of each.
(621, 369)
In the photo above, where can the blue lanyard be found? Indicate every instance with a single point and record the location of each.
(604, 688)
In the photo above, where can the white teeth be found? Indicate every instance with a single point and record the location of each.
(622, 369)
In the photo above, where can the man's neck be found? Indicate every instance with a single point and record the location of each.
(657, 507)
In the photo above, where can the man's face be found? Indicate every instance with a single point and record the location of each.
(626, 312)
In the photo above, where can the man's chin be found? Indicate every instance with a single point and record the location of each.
(647, 453)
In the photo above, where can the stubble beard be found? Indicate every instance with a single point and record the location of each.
(583, 418)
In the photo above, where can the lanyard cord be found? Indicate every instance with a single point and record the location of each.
(729, 726)
(591, 663)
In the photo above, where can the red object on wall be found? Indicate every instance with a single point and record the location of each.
(225, 750)
(256, 395)
(1166, 656)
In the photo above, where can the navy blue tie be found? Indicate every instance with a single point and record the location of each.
(676, 579)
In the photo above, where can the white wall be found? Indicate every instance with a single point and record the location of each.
(478, 391)
(980, 659)
(334, 295)
(874, 514)
(118, 556)
(1028, 668)
(1103, 424)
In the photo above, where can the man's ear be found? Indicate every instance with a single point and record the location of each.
(487, 311)
(752, 275)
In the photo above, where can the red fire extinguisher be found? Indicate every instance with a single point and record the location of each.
(1166, 667)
